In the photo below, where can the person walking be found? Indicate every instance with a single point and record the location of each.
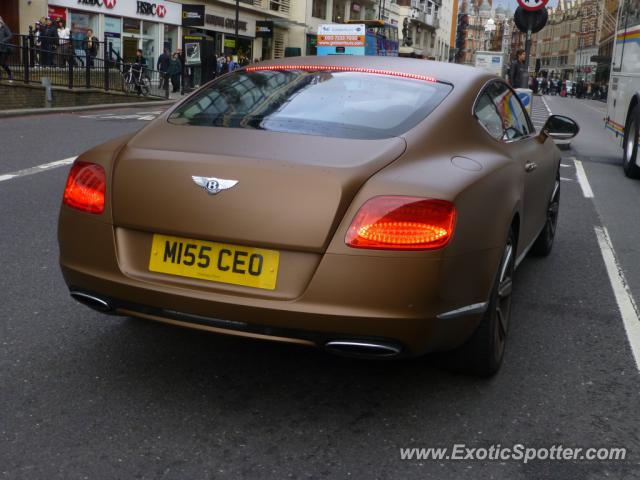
(231, 65)
(174, 70)
(48, 40)
(90, 47)
(64, 39)
(517, 71)
(139, 69)
(163, 68)
(5, 47)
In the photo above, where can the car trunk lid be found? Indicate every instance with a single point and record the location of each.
(292, 189)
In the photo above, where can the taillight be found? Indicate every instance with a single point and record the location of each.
(85, 187)
(402, 223)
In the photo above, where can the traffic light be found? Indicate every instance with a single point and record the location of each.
(538, 65)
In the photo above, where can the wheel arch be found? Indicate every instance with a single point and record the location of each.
(635, 100)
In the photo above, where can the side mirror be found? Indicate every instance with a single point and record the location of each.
(559, 127)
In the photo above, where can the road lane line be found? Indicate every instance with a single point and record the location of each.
(546, 105)
(582, 179)
(37, 169)
(626, 304)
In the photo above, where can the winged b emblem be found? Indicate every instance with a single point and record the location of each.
(213, 185)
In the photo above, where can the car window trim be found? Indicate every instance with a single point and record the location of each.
(484, 89)
(478, 119)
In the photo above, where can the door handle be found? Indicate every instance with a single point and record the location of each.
(530, 166)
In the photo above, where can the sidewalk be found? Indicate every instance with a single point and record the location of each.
(105, 106)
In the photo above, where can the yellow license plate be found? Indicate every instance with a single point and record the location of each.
(217, 262)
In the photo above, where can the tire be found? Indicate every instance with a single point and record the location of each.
(630, 145)
(126, 84)
(483, 352)
(145, 86)
(544, 243)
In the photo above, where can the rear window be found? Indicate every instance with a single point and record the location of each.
(328, 103)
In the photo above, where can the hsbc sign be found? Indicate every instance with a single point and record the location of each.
(165, 11)
(156, 9)
(98, 3)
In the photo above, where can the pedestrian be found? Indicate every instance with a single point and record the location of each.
(163, 68)
(37, 31)
(5, 47)
(139, 69)
(219, 64)
(48, 40)
(64, 42)
(90, 47)
(174, 70)
(231, 65)
(517, 71)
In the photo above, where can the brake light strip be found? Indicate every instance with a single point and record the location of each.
(333, 68)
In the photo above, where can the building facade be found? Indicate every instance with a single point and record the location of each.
(153, 25)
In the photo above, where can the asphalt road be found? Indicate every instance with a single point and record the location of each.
(83, 395)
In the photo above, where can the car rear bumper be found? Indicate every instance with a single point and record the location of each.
(435, 304)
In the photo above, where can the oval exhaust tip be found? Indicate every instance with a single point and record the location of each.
(355, 348)
(91, 301)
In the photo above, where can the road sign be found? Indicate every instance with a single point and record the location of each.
(533, 5)
(530, 19)
(526, 97)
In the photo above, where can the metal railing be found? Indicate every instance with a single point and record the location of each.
(69, 63)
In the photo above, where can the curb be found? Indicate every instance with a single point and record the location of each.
(103, 106)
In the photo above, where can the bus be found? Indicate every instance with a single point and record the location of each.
(623, 100)
(381, 38)
(358, 37)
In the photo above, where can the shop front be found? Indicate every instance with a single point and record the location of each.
(127, 25)
(218, 26)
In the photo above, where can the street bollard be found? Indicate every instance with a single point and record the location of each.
(48, 93)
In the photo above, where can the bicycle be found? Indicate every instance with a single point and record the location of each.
(135, 79)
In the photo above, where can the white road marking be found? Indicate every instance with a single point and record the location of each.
(567, 179)
(565, 165)
(37, 169)
(582, 179)
(626, 304)
(546, 105)
(145, 116)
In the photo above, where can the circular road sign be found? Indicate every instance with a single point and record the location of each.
(533, 5)
(525, 19)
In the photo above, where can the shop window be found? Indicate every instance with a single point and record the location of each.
(319, 9)
(339, 8)
(130, 25)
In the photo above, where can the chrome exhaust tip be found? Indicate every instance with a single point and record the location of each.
(362, 349)
(91, 301)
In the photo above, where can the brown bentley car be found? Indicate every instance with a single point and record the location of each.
(369, 206)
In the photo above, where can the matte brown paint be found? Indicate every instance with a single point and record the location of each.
(298, 194)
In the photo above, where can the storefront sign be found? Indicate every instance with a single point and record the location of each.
(192, 15)
(264, 29)
(228, 23)
(56, 13)
(151, 9)
(163, 11)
